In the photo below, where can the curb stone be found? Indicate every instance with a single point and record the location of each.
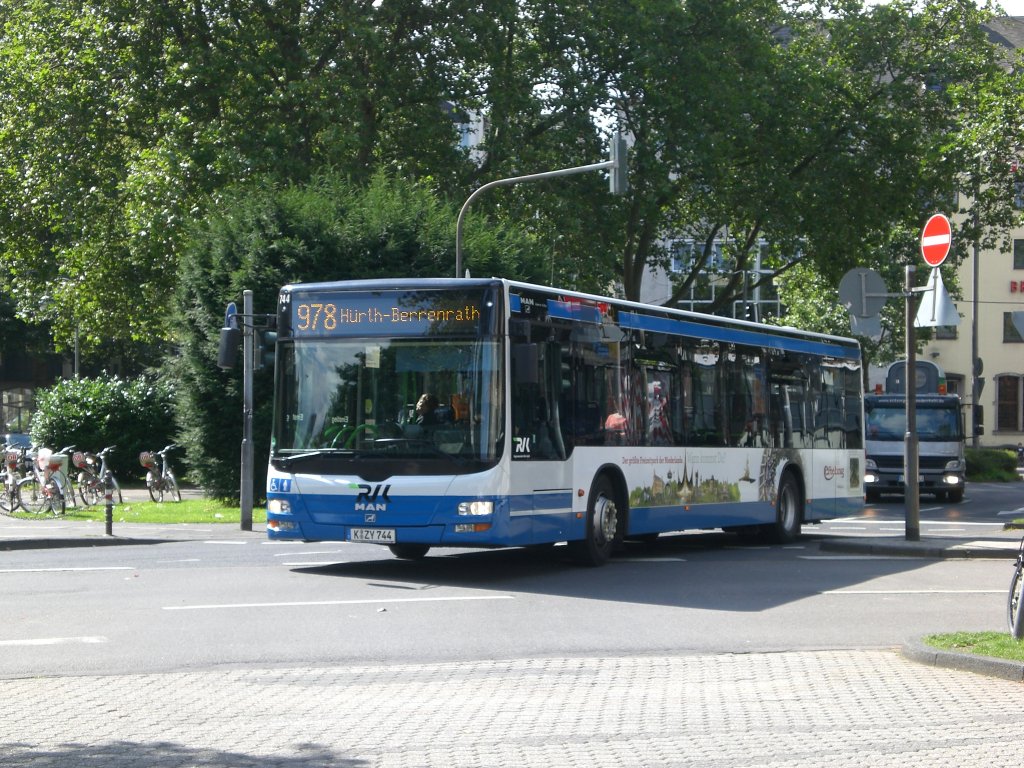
(916, 650)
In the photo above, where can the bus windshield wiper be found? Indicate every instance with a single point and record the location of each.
(287, 460)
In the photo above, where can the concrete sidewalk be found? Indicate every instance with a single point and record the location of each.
(48, 532)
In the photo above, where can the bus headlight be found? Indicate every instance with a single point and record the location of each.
(476, 507)
(957, 465)
(279, 507)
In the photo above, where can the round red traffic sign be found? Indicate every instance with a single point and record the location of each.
(936, 239)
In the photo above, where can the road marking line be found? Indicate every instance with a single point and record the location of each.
(649, 560)
(312, 563)
(60, 570)
(323, 552)
(223, 541)
(914, 592)
(54, 641)
(850, 557)
(306, 603)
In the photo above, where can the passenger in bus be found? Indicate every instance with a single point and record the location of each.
(426, 408)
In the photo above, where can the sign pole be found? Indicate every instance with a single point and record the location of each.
(245, 491)
(911, 467)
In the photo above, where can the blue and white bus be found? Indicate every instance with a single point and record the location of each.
(492, 413)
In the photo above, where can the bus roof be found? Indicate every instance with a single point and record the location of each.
(621, 304)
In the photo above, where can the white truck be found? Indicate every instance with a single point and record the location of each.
(940, 433)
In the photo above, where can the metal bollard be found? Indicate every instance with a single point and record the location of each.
(108, 494)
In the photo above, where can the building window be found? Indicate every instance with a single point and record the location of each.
(945, 332)
(1018, 194)
(1010, 333)
(1010, 399)
(1018, 253)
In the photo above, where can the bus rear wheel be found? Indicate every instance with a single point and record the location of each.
(789, 511)
(409, 551)
(603, 526)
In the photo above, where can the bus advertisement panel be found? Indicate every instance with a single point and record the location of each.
(488, 413)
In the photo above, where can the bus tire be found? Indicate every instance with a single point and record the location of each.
(789, 511)
(409, 551)
(603, 526)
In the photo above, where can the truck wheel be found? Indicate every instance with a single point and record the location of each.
(872, 497)
(957, 495)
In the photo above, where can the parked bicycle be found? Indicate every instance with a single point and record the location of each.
(63, 476)
(39, 491)
(160, 479)
(14, 457)
(93, 469)
(1015, 601)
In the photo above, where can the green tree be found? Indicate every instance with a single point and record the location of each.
(266, 235)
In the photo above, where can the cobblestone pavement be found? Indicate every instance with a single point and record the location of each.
(829, 708)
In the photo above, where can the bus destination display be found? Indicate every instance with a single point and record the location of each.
(407, 313)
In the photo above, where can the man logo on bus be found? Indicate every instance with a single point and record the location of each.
(366, 501)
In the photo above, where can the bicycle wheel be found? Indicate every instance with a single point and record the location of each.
(67, 489)
(32, 497)
(1014, 613)
(172, 487)
(8, 498)
(89, 489)
(116, 493)
(54, 497)
(155, 487)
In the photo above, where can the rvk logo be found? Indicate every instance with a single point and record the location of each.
(522, 445)
(367, 500)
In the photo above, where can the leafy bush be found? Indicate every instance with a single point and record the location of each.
(133, 414)
(991, 464)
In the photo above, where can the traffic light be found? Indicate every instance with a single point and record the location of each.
(264, 349)
(618, 176)
(227, 352)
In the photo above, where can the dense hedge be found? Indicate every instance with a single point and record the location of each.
(991, 465)
(133, 414)
(263, 237)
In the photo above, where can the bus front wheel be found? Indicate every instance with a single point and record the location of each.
(409, 551)
(602, 526)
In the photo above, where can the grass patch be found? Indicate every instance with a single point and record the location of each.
(999, 645)
(187, 511)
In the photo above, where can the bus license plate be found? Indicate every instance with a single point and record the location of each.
(372, 535)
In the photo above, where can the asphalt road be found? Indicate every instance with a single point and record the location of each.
(218, 648)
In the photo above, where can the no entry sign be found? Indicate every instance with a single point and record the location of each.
(936, 239)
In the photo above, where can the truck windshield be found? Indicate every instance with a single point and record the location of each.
(390, 399)
(936, 424)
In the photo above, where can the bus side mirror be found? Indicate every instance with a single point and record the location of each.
(524, 363)
(227, 352)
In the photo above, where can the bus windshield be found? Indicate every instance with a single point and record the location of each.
(401, 399)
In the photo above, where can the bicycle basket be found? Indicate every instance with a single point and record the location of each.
(147, 459)
(79, 459)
